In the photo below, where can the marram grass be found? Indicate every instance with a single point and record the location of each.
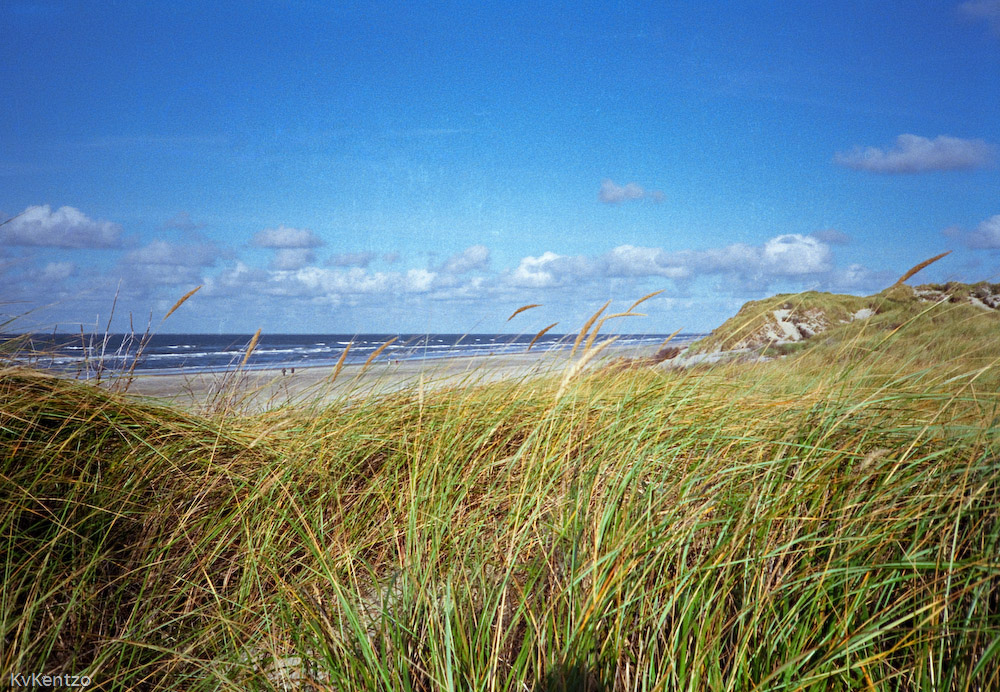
(826, 522)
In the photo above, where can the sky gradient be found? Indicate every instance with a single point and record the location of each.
(359, 167)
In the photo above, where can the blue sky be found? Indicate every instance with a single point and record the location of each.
(341, 167)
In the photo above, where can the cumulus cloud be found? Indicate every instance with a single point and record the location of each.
(470, 259)
(915, 154)
(610, 193)
(551, 269)
(788, 255)
(532, 272)
(987, 234)
(784, 256)
(282, 237)
(293, 284)
(352, 259)
(795, 255)
(66, 227)
(628, 260)
(321, 283)
(419, 280)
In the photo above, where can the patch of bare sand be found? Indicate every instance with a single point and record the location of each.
(260, 390)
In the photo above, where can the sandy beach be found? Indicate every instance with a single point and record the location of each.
(258, 390)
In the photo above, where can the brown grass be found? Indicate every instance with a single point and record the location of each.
(919, 267)
(540, 334)
(377, 352)
(250, 347)
(586, 328)
(522, 309)
(181, 301)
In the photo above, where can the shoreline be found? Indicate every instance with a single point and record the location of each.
(260, 390)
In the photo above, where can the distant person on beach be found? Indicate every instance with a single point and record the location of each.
(283, 372)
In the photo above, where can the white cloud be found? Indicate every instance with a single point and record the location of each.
(784, 255)
(532, 272)
(66, 227)
(283, 237)
(795, 255)
(313, 282)
(915, 154)
(469, 259)
(419, 280)
(317, 281)
(987, 234)
(628, 260)
(551, 269)
(790, 255)
(610, 193)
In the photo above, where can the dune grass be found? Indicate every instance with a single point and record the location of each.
(826, 521)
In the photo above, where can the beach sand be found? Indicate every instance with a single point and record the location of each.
(259, 390)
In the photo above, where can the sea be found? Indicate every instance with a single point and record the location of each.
(87, 354)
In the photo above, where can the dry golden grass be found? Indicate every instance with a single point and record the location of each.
(923, 265)
(540, 334)
(180, 302)
(377, 352)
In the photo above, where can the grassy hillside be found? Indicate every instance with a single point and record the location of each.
(825, 521)
(791, 318)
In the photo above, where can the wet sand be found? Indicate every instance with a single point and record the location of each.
(264, 389)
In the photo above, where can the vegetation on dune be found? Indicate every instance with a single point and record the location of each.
(758, 324)
(826, 521)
